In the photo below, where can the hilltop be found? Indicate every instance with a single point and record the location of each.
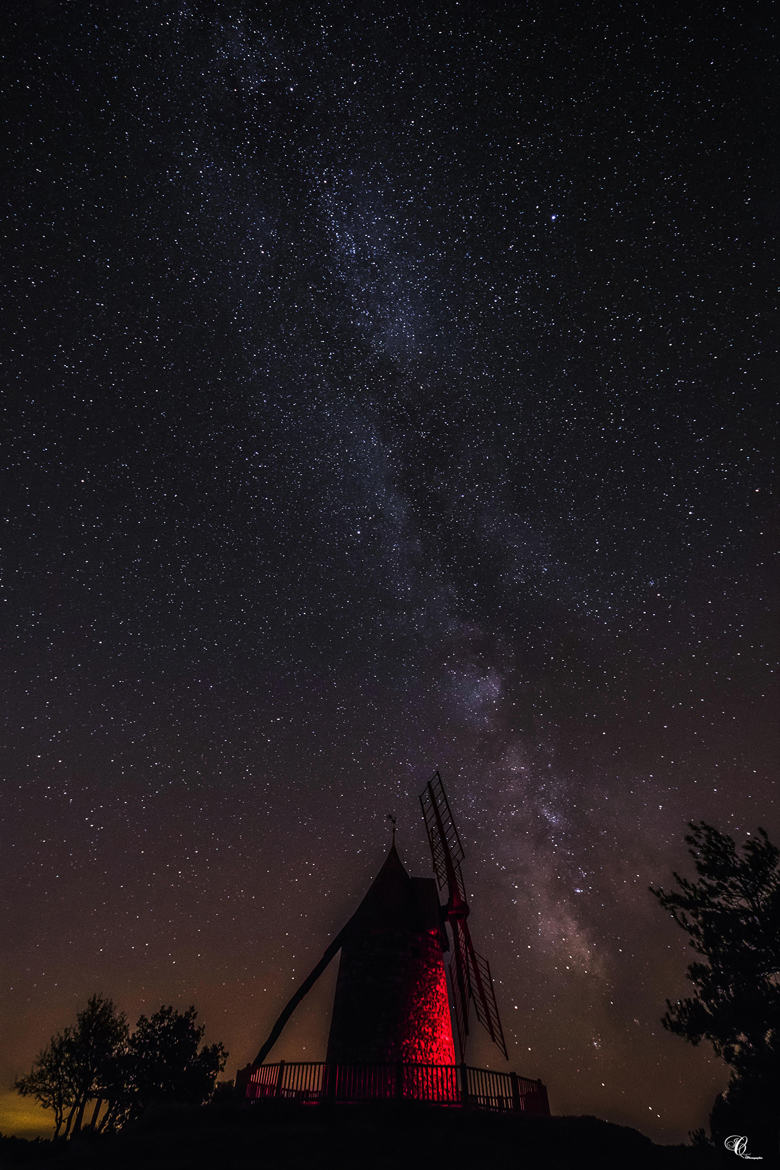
(284, 1136)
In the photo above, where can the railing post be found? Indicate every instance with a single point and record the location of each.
(329, 1075)
(517, 1104)
(243, 1081)
(542, 1100)
(464, 1083)
(279, 1079)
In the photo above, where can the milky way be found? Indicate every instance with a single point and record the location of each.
(384, 391)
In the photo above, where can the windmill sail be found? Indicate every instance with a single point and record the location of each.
(443, 836)
(484, 995)
(470, 976)
(459, 984)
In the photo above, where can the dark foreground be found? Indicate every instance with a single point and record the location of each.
(274, 1137)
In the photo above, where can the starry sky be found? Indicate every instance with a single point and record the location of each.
(386, 387)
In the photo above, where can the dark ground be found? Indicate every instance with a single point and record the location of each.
(350, 1137)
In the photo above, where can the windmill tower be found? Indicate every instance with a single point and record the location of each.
(391, 999)
(400, 1019)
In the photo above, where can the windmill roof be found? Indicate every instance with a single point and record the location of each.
(397, 901)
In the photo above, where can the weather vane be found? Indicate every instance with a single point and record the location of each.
(391, 818)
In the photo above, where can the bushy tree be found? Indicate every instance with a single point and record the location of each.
(167, 1063)
(79, 1065)
(731, 913)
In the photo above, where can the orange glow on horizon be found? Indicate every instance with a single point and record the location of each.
(21, 1117)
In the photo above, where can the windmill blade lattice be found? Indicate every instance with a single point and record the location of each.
(484, 995)
(460, 985)
(443, 837)
(469, 974)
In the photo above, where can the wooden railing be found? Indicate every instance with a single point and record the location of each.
(440, 1084)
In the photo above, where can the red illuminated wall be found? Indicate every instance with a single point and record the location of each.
(427, 1036)
(391, 1001)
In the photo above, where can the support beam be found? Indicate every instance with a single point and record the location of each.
(293, 1002)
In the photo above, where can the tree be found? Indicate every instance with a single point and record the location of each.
(96, 1050)
(731, 913)
(48, 1082)
(98, 1061)
(166, 1062)
(78, 1066)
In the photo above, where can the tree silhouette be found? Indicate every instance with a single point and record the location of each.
(98, 1062)
(166, 1063)
(48, 1082)
(731, 913)
(78, 1066)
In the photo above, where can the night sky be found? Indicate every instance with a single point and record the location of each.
(383, 390)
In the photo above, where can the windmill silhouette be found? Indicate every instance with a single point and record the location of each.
(398, 1011)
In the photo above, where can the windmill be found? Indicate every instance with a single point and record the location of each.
(392, 998)
(398, 1010)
